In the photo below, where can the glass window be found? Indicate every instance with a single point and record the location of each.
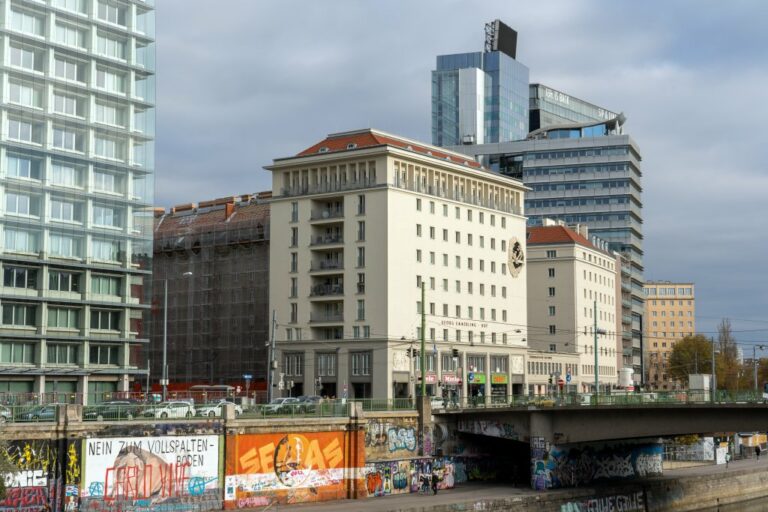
(27, 23)
(107, 216)
(111, 13)
(110, 81)
(103, 354)
(63, 281)
(62, 245)
(105, 285)
(67, 139)
(65, 175)
(24, 131)
(26, 58)
(105, 250)
(105, 320)
(18, 204)
(110, 47)
(20, 277)
(69, 35)
(109, 114)
(70, 5)
(105, 147)
(62, 210)
(63, 317)
(19, 240)
(26, 94)
(19, 314)
(68, 69)
(22, 167)
(23, 353)
(62, 354)
(67, 104)
(105, 182)
(361, 363)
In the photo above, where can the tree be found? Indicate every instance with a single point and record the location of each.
(692, 354)
(729, 371)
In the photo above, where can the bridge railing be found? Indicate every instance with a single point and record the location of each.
(604, 399)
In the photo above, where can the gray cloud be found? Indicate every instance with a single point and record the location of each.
(249, 81)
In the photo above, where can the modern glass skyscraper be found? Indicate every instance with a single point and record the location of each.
(481, 97)
(587, 174)
(76, 177)
(550, 107)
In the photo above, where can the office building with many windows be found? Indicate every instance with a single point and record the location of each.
(481, 97)
(586, 173)
(670, 316)
(76, 166)
(361, 222)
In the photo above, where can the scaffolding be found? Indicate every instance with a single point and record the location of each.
(215, 257)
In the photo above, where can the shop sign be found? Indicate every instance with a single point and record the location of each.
(476, 378)
(499, 378)
(431, 378)
(449, 378)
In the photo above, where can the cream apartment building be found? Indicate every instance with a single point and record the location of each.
(670, 316)
(572, 289)
(359, 222)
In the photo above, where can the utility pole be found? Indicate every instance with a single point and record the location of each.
(271, 358)
(754, 360)
(164, 373)
(423, 353)
(597, 373)
(148, 390)
(713, 384)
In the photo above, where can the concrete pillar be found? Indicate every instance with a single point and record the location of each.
(463, 377)
(82, 388)
(39, 387)
(487, 392)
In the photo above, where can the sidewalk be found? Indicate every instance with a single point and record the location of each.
(468, 492)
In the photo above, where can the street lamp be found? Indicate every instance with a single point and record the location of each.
(164, 380)
(755, 363)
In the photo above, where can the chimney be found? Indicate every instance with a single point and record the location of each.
(229, 209)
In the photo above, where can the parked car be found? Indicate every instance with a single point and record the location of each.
(173, 409)
(308, 404)
(38, 413)
(217, 409)
(111, 410)
(5, 414)
(280, 405)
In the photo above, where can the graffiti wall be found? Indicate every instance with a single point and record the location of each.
(264, 469)
(492, 428)
(41, 470)
(573, 465)
(392, 438)
(406, 476)
(136, 474)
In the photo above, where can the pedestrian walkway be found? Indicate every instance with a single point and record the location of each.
(468, 492)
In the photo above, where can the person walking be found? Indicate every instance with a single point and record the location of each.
(757, 452)
(435, 479)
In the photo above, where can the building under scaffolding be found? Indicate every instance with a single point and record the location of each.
(215, 258)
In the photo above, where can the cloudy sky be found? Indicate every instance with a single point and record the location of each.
(241, 82)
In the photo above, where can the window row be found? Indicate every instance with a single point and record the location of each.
(359, 364)
(60, 280)
(59, 209)
(598, 279)
(25, 315)
(470, 262)
(75, 140)
(34, 59)
(672, 313)
(63, 245)
(458, 287)
(469, 336)
(102, 111)
(32, 21)
(57, 353)
(469, 213)
(64, 174)
(457, 237)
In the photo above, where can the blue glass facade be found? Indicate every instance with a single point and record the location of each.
(504, 93)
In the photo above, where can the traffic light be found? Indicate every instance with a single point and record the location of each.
(455, 352)
(550, 379)
(409, 352)
(415, 352)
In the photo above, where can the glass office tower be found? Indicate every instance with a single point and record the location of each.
(76, 172)
(481, 97)
(588, 174)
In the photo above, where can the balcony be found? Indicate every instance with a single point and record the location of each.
(328, 187)
(326, 266)
(326, 215)
(319, 318)
(327, 290)
(324, 240)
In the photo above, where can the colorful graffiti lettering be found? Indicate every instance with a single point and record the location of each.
(401, 439)
(570, 466)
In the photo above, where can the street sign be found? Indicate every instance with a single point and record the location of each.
(568, 377)
(470, 377)
(247, 376)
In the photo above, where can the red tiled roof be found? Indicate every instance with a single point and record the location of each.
(372, 138)
(556, 235)
(201, 220)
